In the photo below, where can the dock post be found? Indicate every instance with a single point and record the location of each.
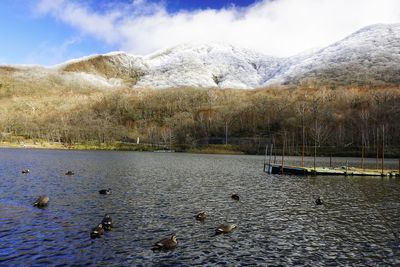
(362, 152)
(315, 155)
(270, 155)
(266, 154)
(383, 147)
(377, 148)
(302, 149)
(283, 153)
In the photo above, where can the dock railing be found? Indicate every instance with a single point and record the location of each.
(309, 165)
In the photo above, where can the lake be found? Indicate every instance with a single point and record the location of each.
(157, 194)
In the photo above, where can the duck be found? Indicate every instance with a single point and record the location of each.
(25, 171)
(318, 201)
(225, 229)
(201, 216)
(235, 196)
(69, 173)
(107, 222)
(166, 243)
(42, 201)
(97, 232)
(105, 191)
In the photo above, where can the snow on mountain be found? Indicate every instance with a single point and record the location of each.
(116, 65)
(368, 56)
(205, 65)
(371, 54)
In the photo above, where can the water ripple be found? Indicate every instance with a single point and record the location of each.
(156, 194)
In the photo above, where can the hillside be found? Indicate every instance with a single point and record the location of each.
(339, 121)
(117, 65)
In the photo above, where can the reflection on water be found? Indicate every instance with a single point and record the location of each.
(156, 194)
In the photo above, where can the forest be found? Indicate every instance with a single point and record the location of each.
(345, 121)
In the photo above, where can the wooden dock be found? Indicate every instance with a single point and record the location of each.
(272, 168)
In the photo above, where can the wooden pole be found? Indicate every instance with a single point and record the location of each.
(273, 142)
(270, 155)
(383, 147)
(362, 151)
(302, 149)
(362, 157)
(293, 144)
(283, 153)
(266, 155)
(269, 160)
(315, 153)
(377, 147)
(170, 140)
(315, 141)
(399, 168)
(226, 133)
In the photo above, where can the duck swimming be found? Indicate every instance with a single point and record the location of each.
(105, 191)
(69, 173)
(235, 196)
(107, 222)
(25, 171)
(41, 201)
(318, 201)
(201, 216)
(166, 243)
(225, 229)
(97, 232)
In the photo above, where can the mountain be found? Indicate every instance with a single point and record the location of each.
(214, 65)
(370, 56)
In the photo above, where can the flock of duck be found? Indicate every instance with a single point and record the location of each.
(171, 242)
(164, 244)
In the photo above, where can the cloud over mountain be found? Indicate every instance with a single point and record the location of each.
(278, 28)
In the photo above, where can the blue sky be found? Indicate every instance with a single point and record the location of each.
(29, 38)
(48, 32)
(176, 5)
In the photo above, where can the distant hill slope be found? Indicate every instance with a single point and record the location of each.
(116, 65)
(368, 56)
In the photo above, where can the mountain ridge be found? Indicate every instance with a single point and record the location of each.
(370, 55)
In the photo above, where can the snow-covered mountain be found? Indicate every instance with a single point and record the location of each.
(219, 65)
(368, 56)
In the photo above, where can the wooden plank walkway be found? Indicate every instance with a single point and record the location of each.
(345, 171)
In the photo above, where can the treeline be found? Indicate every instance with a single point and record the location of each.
(338, 121)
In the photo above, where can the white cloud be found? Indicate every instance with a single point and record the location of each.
(273, 27)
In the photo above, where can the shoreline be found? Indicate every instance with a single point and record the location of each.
(120, 146)
(117, 147)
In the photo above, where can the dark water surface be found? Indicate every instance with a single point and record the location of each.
(156, 194)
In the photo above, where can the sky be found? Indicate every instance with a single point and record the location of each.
(48, 32)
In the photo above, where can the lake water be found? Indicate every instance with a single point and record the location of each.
(156, 194)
